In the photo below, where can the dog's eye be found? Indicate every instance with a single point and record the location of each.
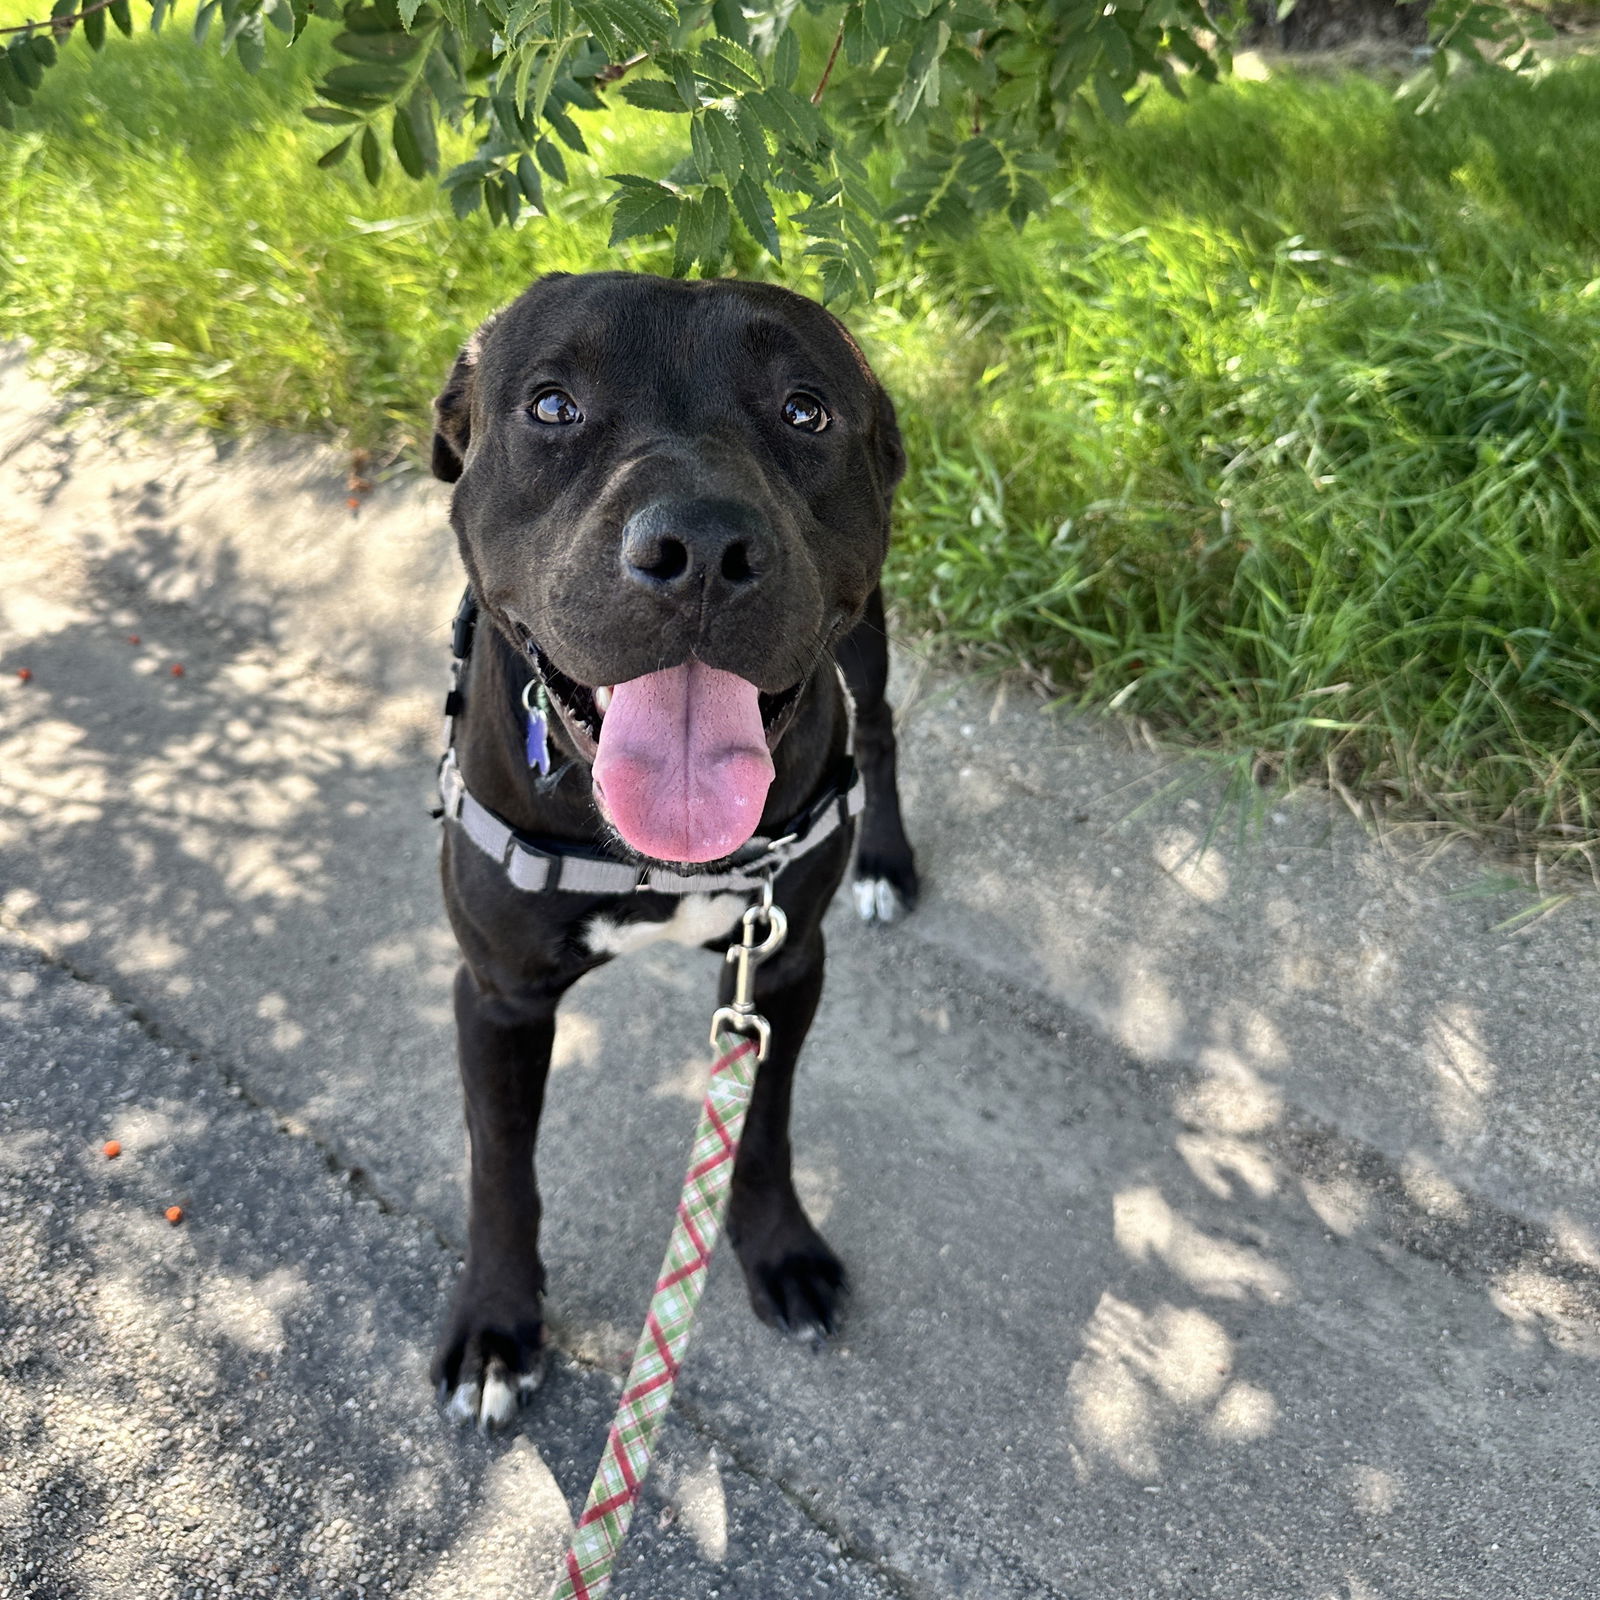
(556, 407)
(805, 411)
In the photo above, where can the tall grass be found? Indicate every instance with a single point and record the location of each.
(1279, 430)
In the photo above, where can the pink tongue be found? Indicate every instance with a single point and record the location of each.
(683, 767)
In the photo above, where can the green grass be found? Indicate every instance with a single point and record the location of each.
(1281, 430)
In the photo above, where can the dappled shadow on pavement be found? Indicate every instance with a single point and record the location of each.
(1121, 1326)
(236, 1403)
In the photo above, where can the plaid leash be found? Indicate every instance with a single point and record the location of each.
(603, 1523)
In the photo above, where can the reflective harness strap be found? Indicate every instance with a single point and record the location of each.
(546, 868)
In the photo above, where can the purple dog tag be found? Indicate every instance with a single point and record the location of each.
(538, 729)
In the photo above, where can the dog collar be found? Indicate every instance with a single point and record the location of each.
(547, 866)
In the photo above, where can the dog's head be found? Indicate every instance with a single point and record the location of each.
(673, 498)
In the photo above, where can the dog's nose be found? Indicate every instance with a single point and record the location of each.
(693, 550)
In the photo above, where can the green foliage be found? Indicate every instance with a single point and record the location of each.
(960, 107)
(1282, 433)
(1279, 428)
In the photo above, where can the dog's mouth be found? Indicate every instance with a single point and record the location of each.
(682, 757)
(583, 709)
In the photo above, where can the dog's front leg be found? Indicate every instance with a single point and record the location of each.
(885, 871)
(796, 1282)
(491, 1354)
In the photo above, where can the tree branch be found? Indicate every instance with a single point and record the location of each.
(827, 71)
(59, 24)
(613, 70)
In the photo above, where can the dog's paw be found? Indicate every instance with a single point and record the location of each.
(885, 889)
(489, 1361)
(796, 1283)
(802, 1295)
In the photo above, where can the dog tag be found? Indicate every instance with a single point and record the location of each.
(538, 743)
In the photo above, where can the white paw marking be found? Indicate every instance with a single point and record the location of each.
(463, 1405)
(500, 1400)
(699, 918)
(877, 900)
(494, 1402)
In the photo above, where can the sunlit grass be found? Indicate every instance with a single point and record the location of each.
(1278, 431)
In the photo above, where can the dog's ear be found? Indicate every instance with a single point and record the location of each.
(890, 452)
(452, 409)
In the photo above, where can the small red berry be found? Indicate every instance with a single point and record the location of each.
(112, 1149)
(133, 638)
(25, 673)
(174, 1215)
(177, 669)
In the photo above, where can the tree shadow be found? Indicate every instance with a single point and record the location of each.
(1120, 1326)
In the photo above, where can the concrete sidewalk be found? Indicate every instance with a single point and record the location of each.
(1222, 1210)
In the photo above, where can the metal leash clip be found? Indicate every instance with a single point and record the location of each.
(747, 955)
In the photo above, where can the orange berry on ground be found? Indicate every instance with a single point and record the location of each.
(133, 638)
(25, 673)
(177, 669)
(174, 1214)
(112, 1148)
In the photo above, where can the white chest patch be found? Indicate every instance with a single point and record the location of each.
(699, 917)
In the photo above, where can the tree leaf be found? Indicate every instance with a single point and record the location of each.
(404, 139)
(94, 29)
(531, 184)
(700, 148)
(11, 86)
(736, 67)
(494, 201)
(376, 80)
(726, 147)
(388, 47)
(356, 102)
(549, 65)
(44, 49)
(565, 128)
(688, 236)
(250, 42)
(122, 15)
(786, 59)
(25, 63)
(790, 118)
(754, 206)
(379, 18)
(653, 94)
(419, 112)
(624, 25)
(334, 116)
(716, 218)
(647, 208)
(1110, 97)
(729, 19)
(371, 155)
(680, 67)
(550, 159)
(332, 158)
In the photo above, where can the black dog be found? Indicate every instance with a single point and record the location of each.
(672, 500)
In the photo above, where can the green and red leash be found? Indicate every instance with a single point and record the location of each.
(740, 1037)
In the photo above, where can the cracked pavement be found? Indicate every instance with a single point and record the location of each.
(1221, 1204)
